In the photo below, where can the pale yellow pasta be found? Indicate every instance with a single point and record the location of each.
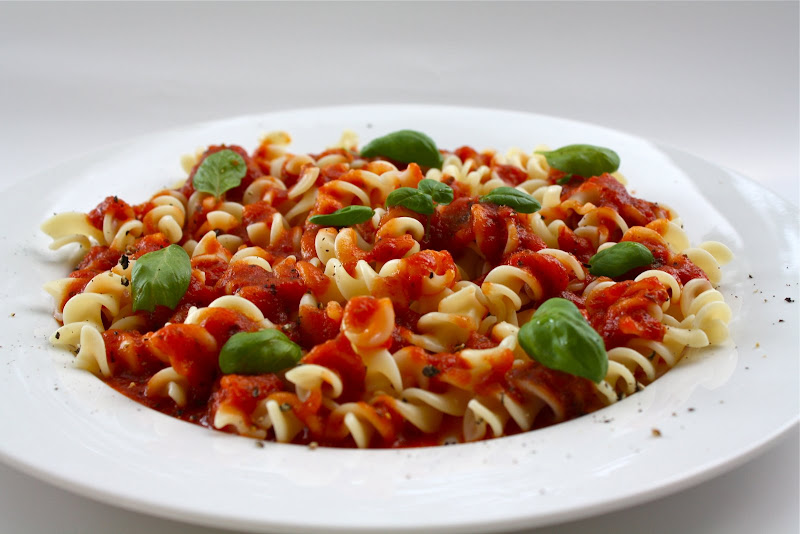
(92, 353)
(505, 287)
(168, 215)
(310, 377)
(168, 383)
(230, 302)
(227, 415)
(547, 231)
(252, 256)
(262, 189)
(481, 415)
(457, 316)
(284, 424)
(106, 296)
(302, 207)
(421, 415)
(69, 227)
(549, 196)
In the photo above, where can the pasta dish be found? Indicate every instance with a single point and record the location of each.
(396, 295)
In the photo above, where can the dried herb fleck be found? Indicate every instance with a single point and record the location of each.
(430, 371)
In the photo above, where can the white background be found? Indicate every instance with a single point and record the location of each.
(716, 79)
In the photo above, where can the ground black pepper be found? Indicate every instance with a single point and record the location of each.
(430, 371)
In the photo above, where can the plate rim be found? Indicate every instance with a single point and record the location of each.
(663, 489)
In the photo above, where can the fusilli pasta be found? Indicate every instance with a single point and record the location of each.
(401, 328)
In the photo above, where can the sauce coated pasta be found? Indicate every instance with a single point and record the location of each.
(393, 296)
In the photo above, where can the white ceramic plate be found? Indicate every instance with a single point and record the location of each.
(714, 410)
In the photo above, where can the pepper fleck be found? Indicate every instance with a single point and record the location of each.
(430, 371)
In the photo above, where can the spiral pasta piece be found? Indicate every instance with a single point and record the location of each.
(71, 227)
(505, 287)
(167, 216)
(457, 316)
(309, 377)
(92, 353)
(230, 302)
(105, 298)
(168, 383)
(362, 283)
(283, 423)
(464, 173)
(705, 258)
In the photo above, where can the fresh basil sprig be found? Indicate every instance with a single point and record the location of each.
(514, 198)
(253, 353)
(620, 258)
(422, 198)
(558, 337)
(344, 217)
(411, 198)
(583, 160)
(220, 172)
(439, 192)
(160, 278)
(405, 146)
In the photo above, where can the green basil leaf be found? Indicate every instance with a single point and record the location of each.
(558, 337)
(439, 192)
(583, 160)
(254, 353)
(220, 172)
(411, 198)
(160, 278)
(514, 198)
(620, 258)
(564, 179)
(405, 146)
(344, 217)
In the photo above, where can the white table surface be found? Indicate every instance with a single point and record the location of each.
(716, 79)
